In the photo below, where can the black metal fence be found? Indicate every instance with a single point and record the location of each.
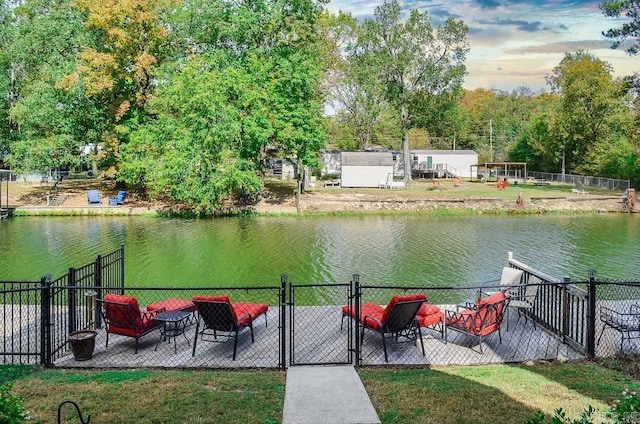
(294, 324)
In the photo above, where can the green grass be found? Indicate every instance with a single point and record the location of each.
(456, 394)
(491, 393)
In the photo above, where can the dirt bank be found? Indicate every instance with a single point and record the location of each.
(280, 198)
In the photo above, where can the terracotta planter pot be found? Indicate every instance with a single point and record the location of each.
(82, 344)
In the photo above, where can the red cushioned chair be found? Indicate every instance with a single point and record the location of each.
(219, 315)
(122, 315)
(397, 319)
(481, 319)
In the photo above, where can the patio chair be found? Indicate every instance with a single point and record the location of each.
(522, 297)
(118, 199)
(93, 198)
(222, 319)
(479, 320)
(123, 316)
(397, 319)
(623, 322)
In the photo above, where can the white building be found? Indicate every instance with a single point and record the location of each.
(443, 163)
(365, 169)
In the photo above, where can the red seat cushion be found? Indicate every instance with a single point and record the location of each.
(173, 304)
(243, 310)
(429, 315)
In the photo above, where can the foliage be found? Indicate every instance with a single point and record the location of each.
(590, 108)
(413, 60)
(12, 409)
(560, 417)
(627, 408)
(631, 10)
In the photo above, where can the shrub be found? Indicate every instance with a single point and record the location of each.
(626, 409)
(11, 407)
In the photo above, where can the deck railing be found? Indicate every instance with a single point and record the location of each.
(305, 323)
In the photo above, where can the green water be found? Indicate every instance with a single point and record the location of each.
(403, 250)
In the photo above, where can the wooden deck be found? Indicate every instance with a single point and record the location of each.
(317, 339)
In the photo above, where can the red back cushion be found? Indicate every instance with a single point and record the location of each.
(115, 313)
(401, 298)
(496, 297)
(221, 298)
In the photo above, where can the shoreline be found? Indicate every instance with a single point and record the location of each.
(350, 204)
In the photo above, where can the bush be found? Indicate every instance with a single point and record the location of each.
(626, 409)
(561, 418)
(11, 407)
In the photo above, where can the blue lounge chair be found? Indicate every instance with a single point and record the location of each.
(118, 199)
(93, 197)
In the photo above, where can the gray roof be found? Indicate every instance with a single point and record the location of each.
(443, 152)
(366, 159)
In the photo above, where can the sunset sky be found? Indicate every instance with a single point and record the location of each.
(514, 42)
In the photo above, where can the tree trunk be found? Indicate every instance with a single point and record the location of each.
(406, 158)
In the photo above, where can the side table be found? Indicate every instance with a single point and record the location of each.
(172, 324)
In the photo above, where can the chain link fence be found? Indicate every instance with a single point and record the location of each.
(582, 180)
(296, 324)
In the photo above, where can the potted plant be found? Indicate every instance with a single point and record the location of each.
(83, 343)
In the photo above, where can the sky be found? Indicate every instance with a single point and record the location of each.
(516, 43)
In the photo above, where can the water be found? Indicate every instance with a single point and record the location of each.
(402, 250)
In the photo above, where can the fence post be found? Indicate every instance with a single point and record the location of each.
(72, 300)
(122, 268)
(45, 321)
(356, 301)
(283, 322)
(97, 292)
(565, 307)
(591, 316)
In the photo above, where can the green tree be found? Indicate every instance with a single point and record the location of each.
(413, 59)
(250, 86)
(50, 125)
(631, 29)
(589, 108)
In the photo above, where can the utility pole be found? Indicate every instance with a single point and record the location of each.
(490, 140)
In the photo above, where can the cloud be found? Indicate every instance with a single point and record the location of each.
(561, 47)
(526, 26)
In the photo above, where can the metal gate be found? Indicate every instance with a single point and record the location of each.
(318, 334)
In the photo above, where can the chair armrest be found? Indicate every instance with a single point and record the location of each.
(372, 318)
(150, 315)
(241, 318)
(466, 305)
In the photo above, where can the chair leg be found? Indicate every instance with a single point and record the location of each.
(604, 326)
(136, 346)
(342, 322)
(251, 330)
(384, 347)
(235, 345)
(195, 340)
(419, 331)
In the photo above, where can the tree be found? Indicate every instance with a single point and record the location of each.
(49, 126)
(116, 68)
(631, 29)
(589, 106)
(251, 86)
(413, 59)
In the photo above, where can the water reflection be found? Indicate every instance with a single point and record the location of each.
(384, 250)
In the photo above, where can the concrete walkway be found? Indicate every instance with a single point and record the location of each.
(326, 395)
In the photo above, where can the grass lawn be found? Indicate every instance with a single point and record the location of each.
(480, 394)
